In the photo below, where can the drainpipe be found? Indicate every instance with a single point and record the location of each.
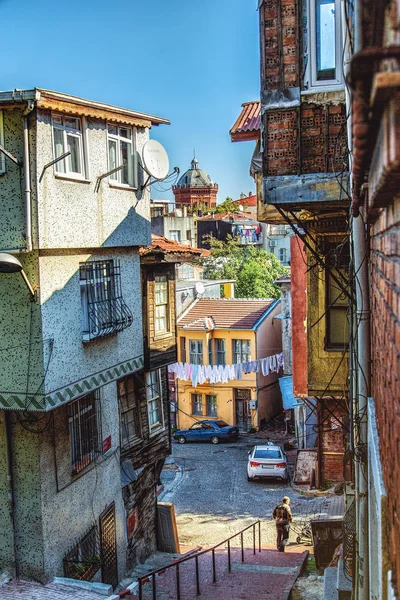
(10, 491)
(27, 176)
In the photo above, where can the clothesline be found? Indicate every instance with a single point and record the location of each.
(199, 374)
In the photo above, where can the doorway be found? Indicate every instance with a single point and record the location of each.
(243, 414)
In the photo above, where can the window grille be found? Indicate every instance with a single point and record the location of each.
(349, 539)
(104, 311)
(83, 560)
(84, 430)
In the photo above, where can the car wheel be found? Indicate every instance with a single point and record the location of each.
(182, 439)
(214, 439)
(250, 478)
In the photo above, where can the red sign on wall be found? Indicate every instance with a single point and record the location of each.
(106, 444)
(131, 522)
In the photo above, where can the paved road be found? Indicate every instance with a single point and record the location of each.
(213, 498)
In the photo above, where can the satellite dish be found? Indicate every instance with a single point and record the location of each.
(155, 159)
(199, 287)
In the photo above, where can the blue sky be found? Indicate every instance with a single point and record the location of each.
(191, 62)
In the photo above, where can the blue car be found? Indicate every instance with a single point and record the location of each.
(207, 431)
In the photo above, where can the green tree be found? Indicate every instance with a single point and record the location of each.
(253, 269)
(225, 206)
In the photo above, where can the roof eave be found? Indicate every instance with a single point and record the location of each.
(267, 313)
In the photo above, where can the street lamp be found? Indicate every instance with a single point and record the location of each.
(10, 264)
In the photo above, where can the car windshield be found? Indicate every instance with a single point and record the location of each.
(267, 454)
(221, 424)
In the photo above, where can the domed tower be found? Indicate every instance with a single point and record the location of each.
(195, 189)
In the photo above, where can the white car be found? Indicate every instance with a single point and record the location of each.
(267, 461)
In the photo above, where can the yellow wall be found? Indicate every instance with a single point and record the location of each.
(225, 392)
(325, 367)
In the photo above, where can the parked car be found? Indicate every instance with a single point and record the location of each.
(267, 461)
(207, 431)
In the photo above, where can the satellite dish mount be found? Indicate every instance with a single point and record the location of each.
(155, 162)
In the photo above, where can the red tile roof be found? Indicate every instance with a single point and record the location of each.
(236, 216)
(246, 201)
(162, 244)
(224, 313)
(248, 121)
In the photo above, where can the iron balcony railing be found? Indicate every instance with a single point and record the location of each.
(176, 564)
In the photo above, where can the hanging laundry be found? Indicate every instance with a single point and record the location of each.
(264, 366)
(238, 371)
(195, 372)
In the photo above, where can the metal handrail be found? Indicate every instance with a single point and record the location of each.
(152, 574)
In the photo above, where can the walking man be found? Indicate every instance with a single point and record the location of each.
(283, 517)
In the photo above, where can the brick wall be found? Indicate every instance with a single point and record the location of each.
(309, 139)
(332, 425)
(385, 348)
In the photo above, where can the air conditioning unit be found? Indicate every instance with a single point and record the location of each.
(272, 243)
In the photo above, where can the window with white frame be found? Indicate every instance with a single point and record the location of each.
(175, 235)
(161, 304)
(84, 430)
(324, 66)
(129, 410)
(196, 352)
(241, 351)
(2, 157)
(67, 135)
(104, 311)
(122, 153)
(154, 400)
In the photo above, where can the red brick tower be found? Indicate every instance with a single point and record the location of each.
(195, 189)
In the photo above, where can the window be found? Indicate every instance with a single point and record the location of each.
(337, 311)
(122, 153)
(104, 311)
(129, 410)
(67, 134)
(197, 408)
(241, 351)
(196, 352)
(188, 235)
(211, 405)
(154, 400)
(84, 431)
(2, 157)
(182, 343)
(161, 316)
(282, 255)
(175, 234)
(220, 351)
(324, 65)
(210, 352)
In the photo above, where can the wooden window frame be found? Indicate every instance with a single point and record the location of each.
(154, 395)
(132, 406)
(199, 355)
(243, 356)
(195, 399)
(166, 304)
(208, 404)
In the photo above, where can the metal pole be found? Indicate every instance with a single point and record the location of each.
(241, 543)
(178, 589)
(254, 539)
(153, 583)
(213, 565)
(140, 589)
(197, 576)
(229, 556)
(259, 536)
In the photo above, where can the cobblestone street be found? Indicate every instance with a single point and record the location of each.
(213, 499)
